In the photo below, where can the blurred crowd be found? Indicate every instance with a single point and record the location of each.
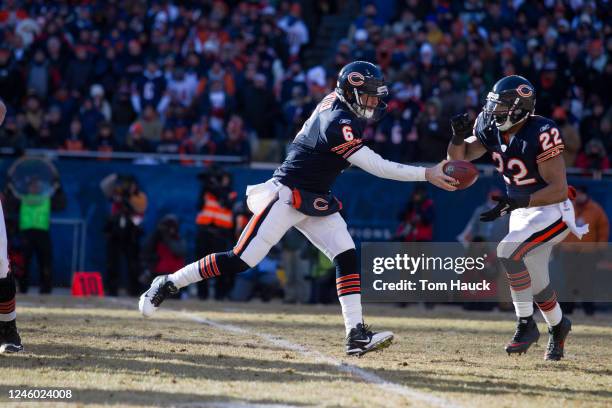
(221, 77)
(197, 77)
(442, 57)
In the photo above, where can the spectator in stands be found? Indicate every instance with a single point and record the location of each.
(168, 143)
(594, 157)
(11, 135)
(79, 70)
(12, 87)
(236, 141)
(96, 92)
(294, 27)
(149, 88)
(136, 141)
(396, 137)
(105, 140)
(182, 87)
(259, 116)
(200, 140)
(75, 141)
(34, 118)
(38, 75)
(432, 130)
(91, 118)
(123, 231)
(151, 125)
(416, 221)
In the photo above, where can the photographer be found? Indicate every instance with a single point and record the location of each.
(123, 230)
(164, 250)
(215, 224)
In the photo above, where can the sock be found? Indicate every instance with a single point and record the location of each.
(348, 286)
(208, 267)
(548, 305)
(7, 299)
(351, 311)
(520, 286)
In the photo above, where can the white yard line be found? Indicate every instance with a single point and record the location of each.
(318, 357)
(365, 375)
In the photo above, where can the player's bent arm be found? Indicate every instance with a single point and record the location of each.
(366, 159)
(553, 173)
(470, 149)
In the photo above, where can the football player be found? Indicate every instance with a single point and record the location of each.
(526, 149)
(10, 342)
(298, 195)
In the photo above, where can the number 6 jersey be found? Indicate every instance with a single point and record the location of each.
(517, 157)
(321, 148)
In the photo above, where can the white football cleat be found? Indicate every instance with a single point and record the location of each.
(160, 289)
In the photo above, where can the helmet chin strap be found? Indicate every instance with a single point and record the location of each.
(359, 112)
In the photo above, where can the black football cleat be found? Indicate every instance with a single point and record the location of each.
(160, 289)
(10, 342)
(361, 340)
(526, 334)
(556, 339)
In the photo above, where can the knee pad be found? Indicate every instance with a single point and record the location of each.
(348, 280)
(7, 288)
(229, 262)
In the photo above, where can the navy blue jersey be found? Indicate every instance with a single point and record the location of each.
(321, 148)
(517, 159)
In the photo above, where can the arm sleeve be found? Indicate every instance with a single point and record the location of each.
(371, 162)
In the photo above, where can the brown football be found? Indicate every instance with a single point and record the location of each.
(463, 171)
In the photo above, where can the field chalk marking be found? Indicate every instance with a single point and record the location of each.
(322, 358)
(318, 357)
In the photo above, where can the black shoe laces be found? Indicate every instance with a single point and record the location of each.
(164, 289)
(521, 328)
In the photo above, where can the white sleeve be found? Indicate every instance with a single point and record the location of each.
(366, 159)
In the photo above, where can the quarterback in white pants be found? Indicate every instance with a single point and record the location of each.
(298, 195)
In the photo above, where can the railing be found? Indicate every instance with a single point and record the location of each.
(79, 233)
(159, 158)
(144, 158)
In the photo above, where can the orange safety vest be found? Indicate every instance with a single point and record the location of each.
(212, 213)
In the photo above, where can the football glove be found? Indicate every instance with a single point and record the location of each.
(505, 205)
(462, 128)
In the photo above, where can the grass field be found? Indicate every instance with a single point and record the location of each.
(195, 354)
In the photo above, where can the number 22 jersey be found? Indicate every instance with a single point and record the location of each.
(517, 158)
